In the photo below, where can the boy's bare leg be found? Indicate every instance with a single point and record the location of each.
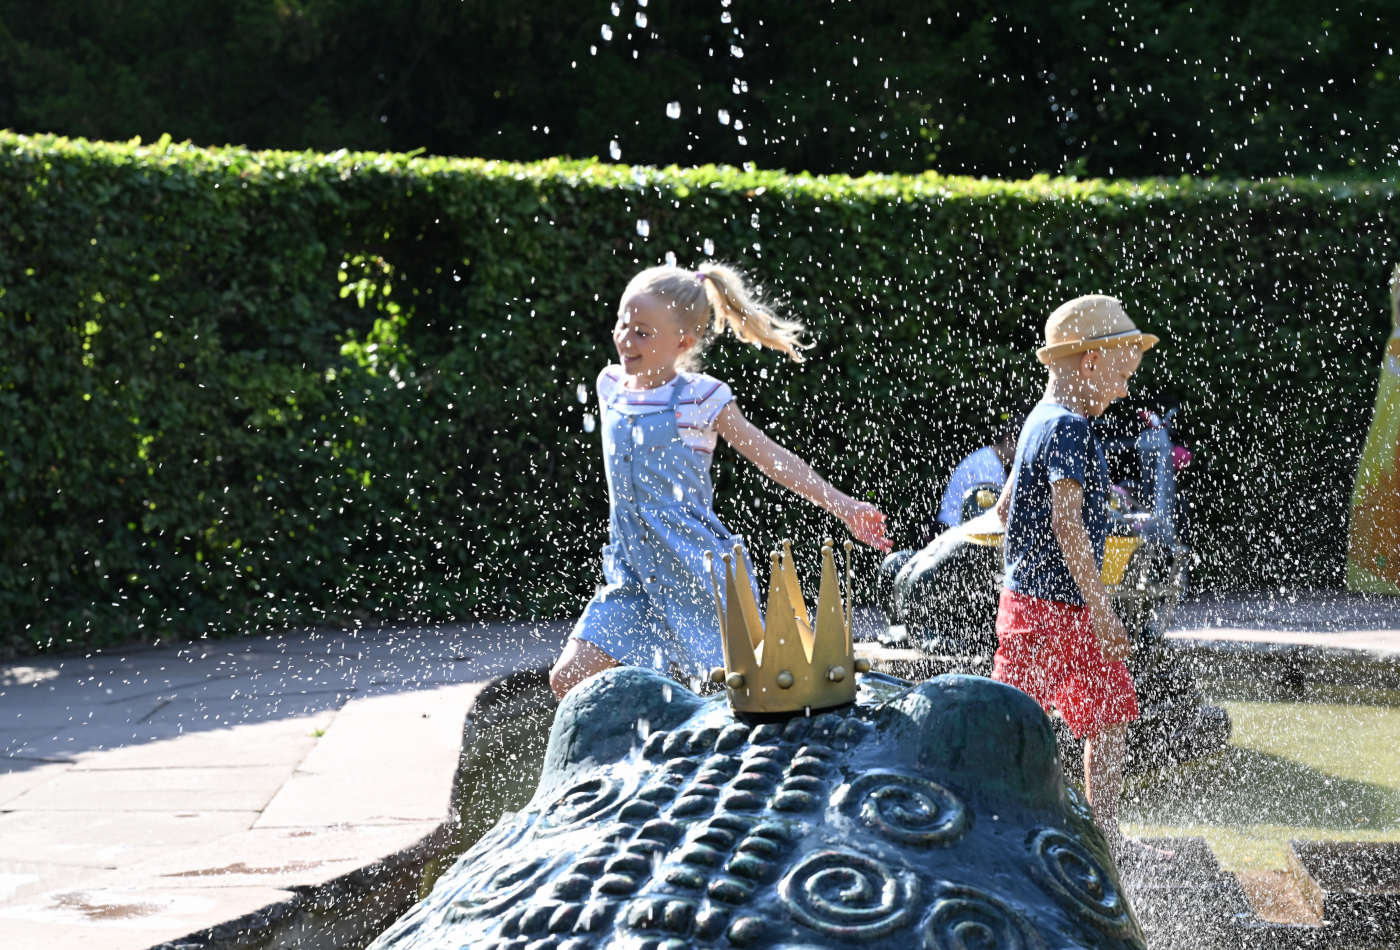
(579, 661)
(1103, 776)
(1103, 783)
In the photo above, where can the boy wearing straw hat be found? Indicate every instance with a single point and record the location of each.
(1058, 638)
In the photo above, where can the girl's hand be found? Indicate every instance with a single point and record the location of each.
(867, 524)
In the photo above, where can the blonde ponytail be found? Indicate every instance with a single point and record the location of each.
(711, 299)
(739, 308)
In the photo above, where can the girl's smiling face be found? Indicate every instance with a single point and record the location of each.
(650, 339)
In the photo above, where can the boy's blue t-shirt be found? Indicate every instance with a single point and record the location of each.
(1055, 443)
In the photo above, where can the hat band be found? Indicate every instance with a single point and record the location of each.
(1109, 336)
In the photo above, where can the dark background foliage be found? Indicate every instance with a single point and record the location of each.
(250, 389)
(1252, 88)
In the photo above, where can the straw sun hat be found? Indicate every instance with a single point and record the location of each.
(1088, 323)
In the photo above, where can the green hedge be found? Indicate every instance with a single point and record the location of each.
(254, 389)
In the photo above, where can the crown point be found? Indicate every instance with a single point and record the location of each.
(776, 556)
(785, 680)
(848, 545)
(717, 675)
(829, 542)
(862, 665)
(725, 558)
(787, 546)
(836, 674)
(734, 681)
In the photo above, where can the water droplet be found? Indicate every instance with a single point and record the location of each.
(673, 110)
(754, 220)
(724, 117)
(709, 248)
(617, 10)
(738, 124)
(641, 19)
(615, 150)
(607, 33)
(736, 52)
(582, 393)
(743, 140)
(670, 258)
(643, 227)
(589, 423)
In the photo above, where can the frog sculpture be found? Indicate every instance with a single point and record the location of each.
(933, 816)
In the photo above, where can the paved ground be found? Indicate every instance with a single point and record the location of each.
(147, 795)
(1310, 618)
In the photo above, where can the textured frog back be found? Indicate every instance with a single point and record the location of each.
(896, 822)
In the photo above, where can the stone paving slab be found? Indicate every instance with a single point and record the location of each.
(389, 758)
(199, 795)
(134, 919)
(1329, 619)
(111, 839)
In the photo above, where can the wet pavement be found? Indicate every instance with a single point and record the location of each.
(1328, 619)
(149, 794)
(152, 795)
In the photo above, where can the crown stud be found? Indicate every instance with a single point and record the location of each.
(789, 660)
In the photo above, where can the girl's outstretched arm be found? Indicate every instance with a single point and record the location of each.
(864, 520)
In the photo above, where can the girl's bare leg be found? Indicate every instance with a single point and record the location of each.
(579, 661)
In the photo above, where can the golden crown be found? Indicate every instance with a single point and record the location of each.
(788, 664)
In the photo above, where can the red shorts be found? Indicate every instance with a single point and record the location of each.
(1048, 651)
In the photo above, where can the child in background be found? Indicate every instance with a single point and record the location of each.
(661, 420)
(1058, 638)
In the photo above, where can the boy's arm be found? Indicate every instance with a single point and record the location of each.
(1067, 521)
(1003, 506)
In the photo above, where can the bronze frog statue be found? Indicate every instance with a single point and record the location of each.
(810, 804)
(932, 815)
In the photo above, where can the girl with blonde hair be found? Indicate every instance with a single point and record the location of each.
(661, 421)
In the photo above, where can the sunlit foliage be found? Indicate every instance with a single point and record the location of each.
(249, 389)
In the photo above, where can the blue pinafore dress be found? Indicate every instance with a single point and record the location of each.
(657, 608)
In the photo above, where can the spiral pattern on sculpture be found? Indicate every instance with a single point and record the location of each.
(581, 802)
(968, 918)
(908, 809)
(849, 895)
(1080, 883)
(504, 881)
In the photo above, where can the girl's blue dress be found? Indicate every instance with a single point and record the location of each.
(658, 607)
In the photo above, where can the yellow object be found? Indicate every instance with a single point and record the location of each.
(1373, 539)
(985, 499)
(789, 662)
(1116, 553)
